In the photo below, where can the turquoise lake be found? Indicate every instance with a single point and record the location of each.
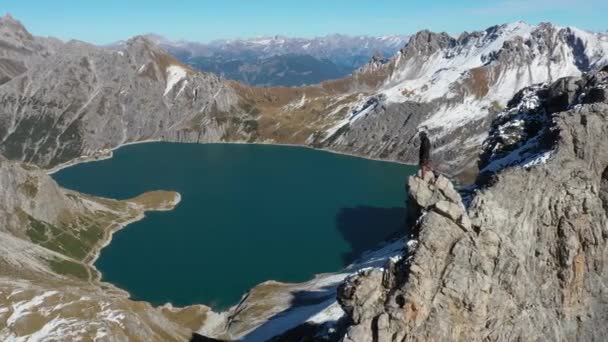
(249, 213)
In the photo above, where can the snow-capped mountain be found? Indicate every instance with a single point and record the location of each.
(341, 49)
(454, 85)
(491, 64)
(282, 60)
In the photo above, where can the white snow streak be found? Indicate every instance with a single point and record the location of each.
(175, 73)
(21, 309)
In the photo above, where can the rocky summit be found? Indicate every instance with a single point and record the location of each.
(522, 256)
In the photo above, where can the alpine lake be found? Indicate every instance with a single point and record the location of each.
(248, 213)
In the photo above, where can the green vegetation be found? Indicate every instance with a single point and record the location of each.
(74, 239)
(155, 199)
(29, 187)
(67, 244)
(76, 234)
(250, 108)
(37, 230)
(69, 268)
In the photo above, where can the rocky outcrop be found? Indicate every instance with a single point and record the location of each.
(382, 302)
(528, 264)
(523, 132)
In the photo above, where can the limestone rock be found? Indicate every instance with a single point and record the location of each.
(534, 266)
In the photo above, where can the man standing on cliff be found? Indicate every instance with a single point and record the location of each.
(425, 153)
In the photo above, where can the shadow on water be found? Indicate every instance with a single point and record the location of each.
(365, 227)
(200, 338)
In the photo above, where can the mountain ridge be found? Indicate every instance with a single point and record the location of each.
(456, 87)
(303, 61)
(487, 266)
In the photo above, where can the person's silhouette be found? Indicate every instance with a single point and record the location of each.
(425, 153)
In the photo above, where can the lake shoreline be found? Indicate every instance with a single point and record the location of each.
(98, 156)
(97, 275)
(109, 234)
(108, 154)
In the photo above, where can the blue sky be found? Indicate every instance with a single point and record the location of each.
(104, 21)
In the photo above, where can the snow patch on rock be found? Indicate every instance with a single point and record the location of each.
(175, 74)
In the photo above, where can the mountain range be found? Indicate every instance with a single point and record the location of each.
(94, 99)
(278, 60)
(522, 106)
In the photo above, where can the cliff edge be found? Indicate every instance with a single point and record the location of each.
(523, 256)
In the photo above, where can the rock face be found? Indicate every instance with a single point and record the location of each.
(528, 264)
(378, 301)
(19, 49)
(81, 99)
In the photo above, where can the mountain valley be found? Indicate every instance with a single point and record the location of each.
(516, 111)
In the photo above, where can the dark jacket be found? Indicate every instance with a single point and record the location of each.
(425, 149)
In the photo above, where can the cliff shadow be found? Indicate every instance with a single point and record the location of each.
(291, 323)
(365, 227)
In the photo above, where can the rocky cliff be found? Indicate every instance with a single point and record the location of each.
(78, 100)
(522, 255)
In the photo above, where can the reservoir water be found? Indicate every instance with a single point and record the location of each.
(249, 213)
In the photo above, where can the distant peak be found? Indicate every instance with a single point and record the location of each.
(519, 23)
(7, 16)
(13, 27)
(155, 37)
(8, 19)
(510, 27)
(142, 41)
(427, 42)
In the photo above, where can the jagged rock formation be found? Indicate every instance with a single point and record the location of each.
(79, 99)
(19, 49)
(455, 86)
(526, 260)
